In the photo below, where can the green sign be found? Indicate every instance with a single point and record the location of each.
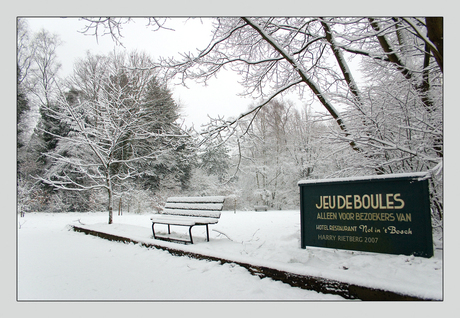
(384, 214)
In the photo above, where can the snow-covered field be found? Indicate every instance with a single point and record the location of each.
(55, 263)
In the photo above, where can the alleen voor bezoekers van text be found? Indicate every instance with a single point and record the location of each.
(389, 201)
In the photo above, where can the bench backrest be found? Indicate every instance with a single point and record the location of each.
(195, 206)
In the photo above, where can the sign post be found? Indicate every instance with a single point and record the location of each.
(384, 214)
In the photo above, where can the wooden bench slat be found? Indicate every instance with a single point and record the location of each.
(210, 199)
(181, 220)
(193, 213)
(194, 206)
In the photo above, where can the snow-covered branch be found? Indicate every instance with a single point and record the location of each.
(125, 131)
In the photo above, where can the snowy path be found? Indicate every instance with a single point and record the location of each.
(57, 264)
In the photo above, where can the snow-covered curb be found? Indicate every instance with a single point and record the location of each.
(350, 284)
(322, 285)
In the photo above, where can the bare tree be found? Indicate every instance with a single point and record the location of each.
(25, 50)
(396, 117)
(110, 132)
(43, 73)
(37, 83)
(310, 55)
(276, 55)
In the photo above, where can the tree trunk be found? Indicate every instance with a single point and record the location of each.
(434, 27)
(110, 206)
(391, 54)
(110, 215)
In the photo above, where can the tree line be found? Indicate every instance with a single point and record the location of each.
(387, 120)
(107, 131)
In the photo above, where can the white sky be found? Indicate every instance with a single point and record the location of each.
(219, 98)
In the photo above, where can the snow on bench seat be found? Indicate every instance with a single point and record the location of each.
(193, 206)
(192, 213)
(183, 220)
(189, 211)
(210, 199)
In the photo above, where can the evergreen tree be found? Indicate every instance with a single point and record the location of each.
(172, 168)
(50, 129)
(23, 107)
(215, 160)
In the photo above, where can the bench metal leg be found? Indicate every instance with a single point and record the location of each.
(207, 233)
(190, 232)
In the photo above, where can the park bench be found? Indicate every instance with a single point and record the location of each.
(188, 211)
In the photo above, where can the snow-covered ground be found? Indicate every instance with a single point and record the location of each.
(55, 263)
